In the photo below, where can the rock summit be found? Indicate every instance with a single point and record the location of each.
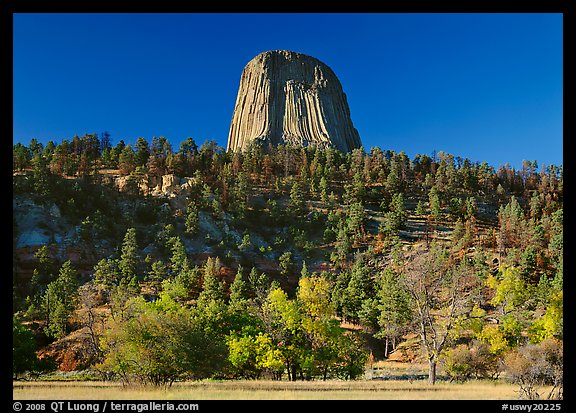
(291, 98)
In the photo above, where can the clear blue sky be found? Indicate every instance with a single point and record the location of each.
(487, 87)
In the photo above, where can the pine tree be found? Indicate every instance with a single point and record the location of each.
(286, 264)
(41, 176)
(323, 189)
(127, 160)
(238, 288)
(296, 203)
(434, 201)
(179, 256)
(394, 307)
(359, 288)
(304, 273)
(129, 257)
(59, 300)
(399, 208)
(192, 219)
(142, 152)
(420, 208)
(212, 286)
(355, 221)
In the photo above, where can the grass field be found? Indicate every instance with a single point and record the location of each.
(391, 381)
(269, 390)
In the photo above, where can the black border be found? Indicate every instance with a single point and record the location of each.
(566, 7)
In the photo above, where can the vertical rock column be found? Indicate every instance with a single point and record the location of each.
(290, 98)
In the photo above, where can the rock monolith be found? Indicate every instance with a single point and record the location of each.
(291, 98)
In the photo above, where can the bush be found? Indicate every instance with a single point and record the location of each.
(458, 363)
(536, 365)
(23, 349)
(157, 346)
(466, 361)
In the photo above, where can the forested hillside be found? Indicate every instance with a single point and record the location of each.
(153, 263)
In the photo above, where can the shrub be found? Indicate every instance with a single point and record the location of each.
(23, 348)
(457, 363)
(159, 345)
(466, 361)
(536, 365)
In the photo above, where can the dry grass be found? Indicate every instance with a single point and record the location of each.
(269, 390)
(392, 381)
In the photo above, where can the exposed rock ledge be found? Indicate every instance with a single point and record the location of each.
(168, 186)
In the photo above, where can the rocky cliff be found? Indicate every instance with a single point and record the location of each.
(290, 98)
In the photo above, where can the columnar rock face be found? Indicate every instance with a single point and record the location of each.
(290, 98)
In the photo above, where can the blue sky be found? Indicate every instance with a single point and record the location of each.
(483, 86)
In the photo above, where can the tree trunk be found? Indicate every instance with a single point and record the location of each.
(288, 371)
(386, 348)
(432, 369)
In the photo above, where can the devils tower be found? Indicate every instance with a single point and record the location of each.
(291, 98)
